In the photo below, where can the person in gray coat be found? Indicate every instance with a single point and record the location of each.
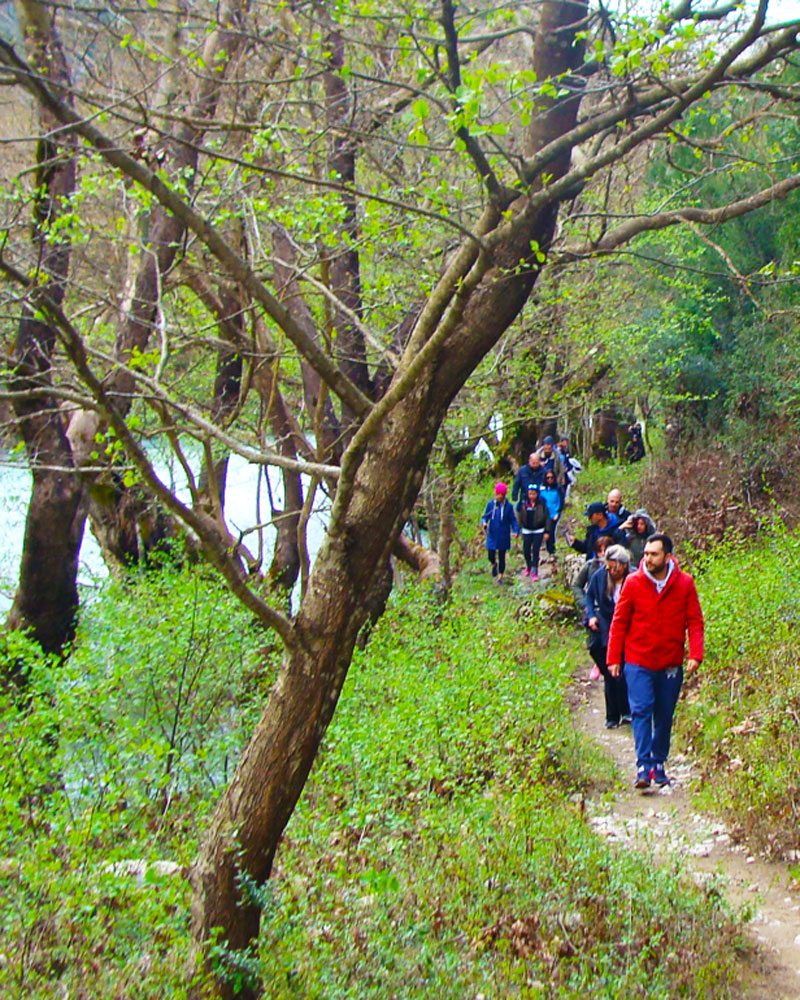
(640, 527)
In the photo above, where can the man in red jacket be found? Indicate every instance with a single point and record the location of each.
(657, 607)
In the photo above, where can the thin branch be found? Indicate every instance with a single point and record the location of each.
(453, 80)
(662, 220)
(255, 455)
(214, 545)
(741, 281)
(209, 235)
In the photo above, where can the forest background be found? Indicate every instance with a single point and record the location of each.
(349, 245)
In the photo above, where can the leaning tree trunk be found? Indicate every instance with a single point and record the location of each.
(270, 776)
(382, 472)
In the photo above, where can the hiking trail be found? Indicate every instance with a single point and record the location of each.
(666, 822)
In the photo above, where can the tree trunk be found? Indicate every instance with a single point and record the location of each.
(46, 600)
(604, 435)
(327, 429)
(447, 517)
(47, 594)
(344, 271)
(368, 513)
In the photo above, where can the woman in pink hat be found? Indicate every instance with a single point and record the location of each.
(499, 523)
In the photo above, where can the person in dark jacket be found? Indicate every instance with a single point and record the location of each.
(586, 573)
(551, 459)
(601, 522)
(615, 506)
(601, 598)
(531, 472)
(536, 526)
(635, 447)
(499, 523)
(571, 466)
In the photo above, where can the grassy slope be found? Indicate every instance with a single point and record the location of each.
(743, 720)
(440, 850)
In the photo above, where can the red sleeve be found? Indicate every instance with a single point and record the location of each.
(619, 624)
(694, 623)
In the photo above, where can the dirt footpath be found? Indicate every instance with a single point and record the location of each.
(665, 821)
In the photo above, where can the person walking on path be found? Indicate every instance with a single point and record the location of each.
(615, 506)
(551, 458)
(553, 496)
(656, 609)
(536, 526)
(571, 466)
(635, 447)
(531, 472)
(585, 574)
(499, 523)
(601, 598)
(601, 522)
(640, 527)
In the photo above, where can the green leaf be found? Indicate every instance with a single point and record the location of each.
(421, 108)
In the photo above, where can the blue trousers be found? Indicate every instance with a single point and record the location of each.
(653, 695)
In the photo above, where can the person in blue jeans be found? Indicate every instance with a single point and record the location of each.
(656, 610)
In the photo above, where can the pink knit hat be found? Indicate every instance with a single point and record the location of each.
(501, 488)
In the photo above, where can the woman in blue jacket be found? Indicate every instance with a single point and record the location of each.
(499, 523)
(553, 497)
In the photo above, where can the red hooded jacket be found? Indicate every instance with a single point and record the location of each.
(651, 627)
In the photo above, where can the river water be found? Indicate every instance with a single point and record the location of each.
(244, 485)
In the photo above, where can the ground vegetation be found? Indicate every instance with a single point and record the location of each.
(442, 846)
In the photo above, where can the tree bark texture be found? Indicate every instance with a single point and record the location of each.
(46, 600)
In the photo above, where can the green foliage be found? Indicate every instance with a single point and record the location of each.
(171, 652)
(744, 722)
(113, 761)
(439, 849)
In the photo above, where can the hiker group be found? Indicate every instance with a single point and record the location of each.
(638, 606)
(540, 490)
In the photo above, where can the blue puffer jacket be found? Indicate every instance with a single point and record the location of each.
(500, 522)
(553, 498)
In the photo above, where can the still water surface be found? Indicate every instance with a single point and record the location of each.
(242, 492)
